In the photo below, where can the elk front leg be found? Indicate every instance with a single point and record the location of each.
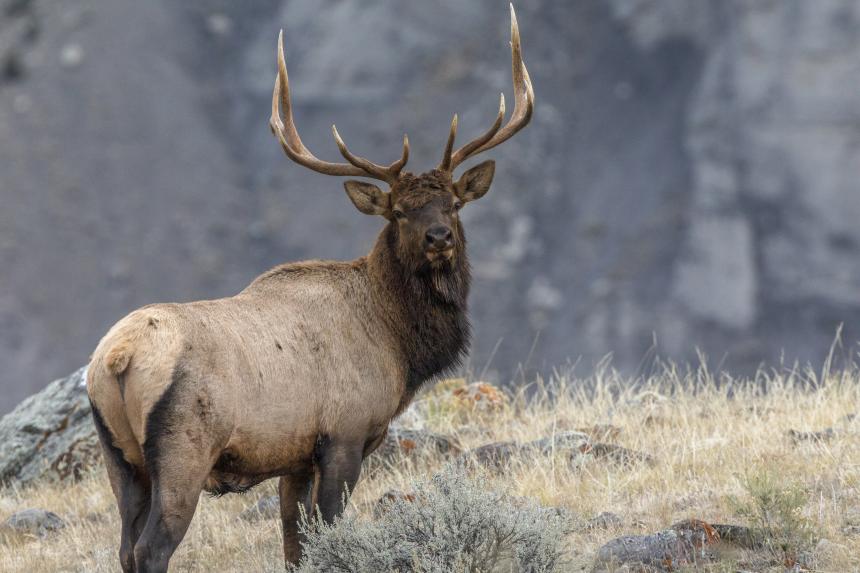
(338, 465)
(294, 489)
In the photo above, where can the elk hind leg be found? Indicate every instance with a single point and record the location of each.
(179, 451)
(130, 486)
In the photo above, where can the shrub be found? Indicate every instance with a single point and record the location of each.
(774, 509)
(453, 523)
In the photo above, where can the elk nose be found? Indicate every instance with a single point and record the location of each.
(438, 237)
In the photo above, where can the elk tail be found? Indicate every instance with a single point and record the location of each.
(118, 356)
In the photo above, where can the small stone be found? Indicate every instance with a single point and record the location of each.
(611, 452)
(604, 520)
(495, 455)
(32, 523)
(738, 535)
(601, 432)
(820, 436)
(268, 507)
(407, 442)
(561, 442)
(93, 517)
(71, 55)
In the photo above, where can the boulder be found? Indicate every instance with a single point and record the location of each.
(685, 544)
(50, 435)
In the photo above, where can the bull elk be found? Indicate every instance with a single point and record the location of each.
(298, 375)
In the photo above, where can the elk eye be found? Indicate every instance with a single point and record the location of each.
(457, 205)
(398, 214)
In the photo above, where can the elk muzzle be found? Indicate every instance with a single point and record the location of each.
(439, 243)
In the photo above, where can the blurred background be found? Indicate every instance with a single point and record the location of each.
(690, 178)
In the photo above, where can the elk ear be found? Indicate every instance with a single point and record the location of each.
(475, 182)
(368, 198)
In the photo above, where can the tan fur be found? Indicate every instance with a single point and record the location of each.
(274, 402)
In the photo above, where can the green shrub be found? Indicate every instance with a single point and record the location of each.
(454, 523)
(774, 509)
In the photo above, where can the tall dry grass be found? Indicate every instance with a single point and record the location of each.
(711, 437)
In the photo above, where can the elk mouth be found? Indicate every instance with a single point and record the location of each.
(440, 256)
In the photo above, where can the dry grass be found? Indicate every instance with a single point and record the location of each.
(709, 437)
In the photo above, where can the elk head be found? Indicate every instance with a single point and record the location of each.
(422, 209)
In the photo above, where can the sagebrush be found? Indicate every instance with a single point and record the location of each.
(451, 523)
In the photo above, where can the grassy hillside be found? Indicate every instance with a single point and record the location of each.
(722, 450)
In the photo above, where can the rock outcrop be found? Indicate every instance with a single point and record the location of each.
(50, 435)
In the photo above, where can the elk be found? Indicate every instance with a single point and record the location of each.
(298, 375)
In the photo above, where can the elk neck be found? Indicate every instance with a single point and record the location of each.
(426, 309)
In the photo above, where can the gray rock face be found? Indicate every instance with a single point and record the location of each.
(50, 435)
(691, 171)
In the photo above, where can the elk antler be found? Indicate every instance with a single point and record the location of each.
(525, 102)
(296, 150)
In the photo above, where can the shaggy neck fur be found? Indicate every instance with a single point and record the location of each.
(429, 307)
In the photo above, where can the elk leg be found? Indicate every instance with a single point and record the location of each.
(179, 457)
(176, 488)
(338, 467)
(134, 511)
(294, 489)
(130, 487)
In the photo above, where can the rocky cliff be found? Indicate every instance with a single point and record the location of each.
(690, 175)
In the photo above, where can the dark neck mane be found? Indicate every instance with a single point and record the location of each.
(427, 310)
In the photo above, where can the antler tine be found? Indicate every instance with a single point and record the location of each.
(449, 147)
(385, 173)
(464, 152)
(395, 167)
(524, 98)
(292, 144)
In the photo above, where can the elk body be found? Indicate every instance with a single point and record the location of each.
(299, 375)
